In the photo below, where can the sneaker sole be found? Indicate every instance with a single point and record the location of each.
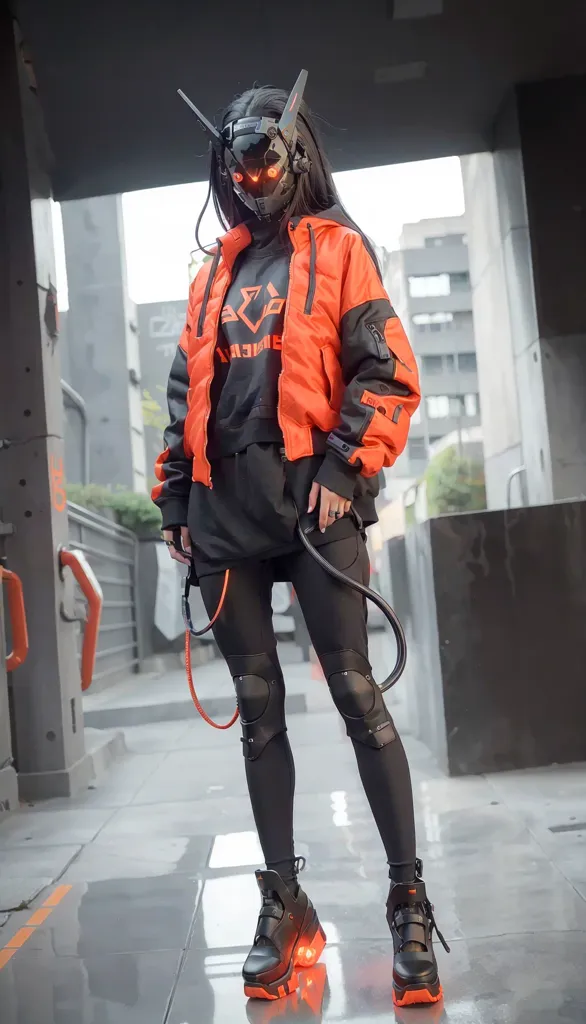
(306, 953)
(417, 995)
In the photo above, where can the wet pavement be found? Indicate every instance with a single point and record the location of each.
(141, 900)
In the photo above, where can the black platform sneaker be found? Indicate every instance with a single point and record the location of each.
(410, 916)
(288, 936)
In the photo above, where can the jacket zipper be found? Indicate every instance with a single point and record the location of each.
(383, 348)
(312, 262)
(280, 385)
(208, 288)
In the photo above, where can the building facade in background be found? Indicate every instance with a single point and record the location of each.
(159, 328)
(101, 360)
(429, 283)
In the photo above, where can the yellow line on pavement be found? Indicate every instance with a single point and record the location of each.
(18, 940)
(57, 896)
(39, 917)
(35, 920)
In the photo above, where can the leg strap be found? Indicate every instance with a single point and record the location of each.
(260, 692)
(358, 698)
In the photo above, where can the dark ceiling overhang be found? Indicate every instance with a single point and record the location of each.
(395, 80)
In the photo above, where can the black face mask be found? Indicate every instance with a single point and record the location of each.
(260, 165)
(261, 155)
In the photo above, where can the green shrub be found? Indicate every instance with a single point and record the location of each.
(454, 483)
(132, 510)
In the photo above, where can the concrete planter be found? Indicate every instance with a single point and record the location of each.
(496, 610)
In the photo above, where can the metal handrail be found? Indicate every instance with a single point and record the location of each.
(78, 402)
(512, 476)
(94, 521)
(92, 527)
(17, 614)
(92, 592)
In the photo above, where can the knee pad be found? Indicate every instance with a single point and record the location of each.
(260, 692)
(358, 698)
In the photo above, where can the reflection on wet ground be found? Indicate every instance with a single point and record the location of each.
(158, 899)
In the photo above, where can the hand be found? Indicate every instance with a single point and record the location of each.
(329, 503)
(186, 544)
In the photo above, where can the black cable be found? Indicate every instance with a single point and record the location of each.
(372, 595)
(200, 218)
(337, 574)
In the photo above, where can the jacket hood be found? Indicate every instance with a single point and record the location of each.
(334, 214)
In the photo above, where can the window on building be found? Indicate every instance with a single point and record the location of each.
(462, 319)
(422, 286)
(438, 407)
(452, 406)
(416, 448)
(467, 362)
(449, 363)
(436, 240)
(432, 364)
(435, 438)
(432, 318)
(459, 281)
(471, 404)
(432, 321)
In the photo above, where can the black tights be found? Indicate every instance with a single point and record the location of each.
(244, 630)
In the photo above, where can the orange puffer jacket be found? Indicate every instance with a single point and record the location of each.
(347, 367)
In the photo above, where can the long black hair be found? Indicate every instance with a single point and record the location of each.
(315, 190)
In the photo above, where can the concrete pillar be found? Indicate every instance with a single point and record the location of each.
(8, 780)
(48, 738)
(526, 204)
(102, 333)
(552, 115)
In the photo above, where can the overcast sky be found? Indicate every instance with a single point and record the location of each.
(159, 223)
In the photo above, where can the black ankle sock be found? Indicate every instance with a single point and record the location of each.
(286, 869)
(292, 884)
(402, 873)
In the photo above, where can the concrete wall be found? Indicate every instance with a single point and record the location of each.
(102, 334)
(525, 204)
(497, 646)
(552, 115)
(493, 329)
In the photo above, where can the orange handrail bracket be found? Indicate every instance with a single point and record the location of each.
(92, 591)
(17, 614)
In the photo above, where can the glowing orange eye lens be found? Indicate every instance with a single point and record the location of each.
(238, 177)
(272, 172)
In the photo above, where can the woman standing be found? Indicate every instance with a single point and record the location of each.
(292, 386)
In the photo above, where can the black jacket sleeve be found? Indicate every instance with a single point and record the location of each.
(380, 376)
(173, 467)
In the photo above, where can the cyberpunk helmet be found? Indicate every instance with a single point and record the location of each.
(261, 155)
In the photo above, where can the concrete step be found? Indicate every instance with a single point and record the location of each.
(220, 709)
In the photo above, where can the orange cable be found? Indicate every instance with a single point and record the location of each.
(188, 667)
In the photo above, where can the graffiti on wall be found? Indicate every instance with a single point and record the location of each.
(168, 321)
(159, 328)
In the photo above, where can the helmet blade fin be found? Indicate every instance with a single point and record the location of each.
(289, 115)
(212, 133)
